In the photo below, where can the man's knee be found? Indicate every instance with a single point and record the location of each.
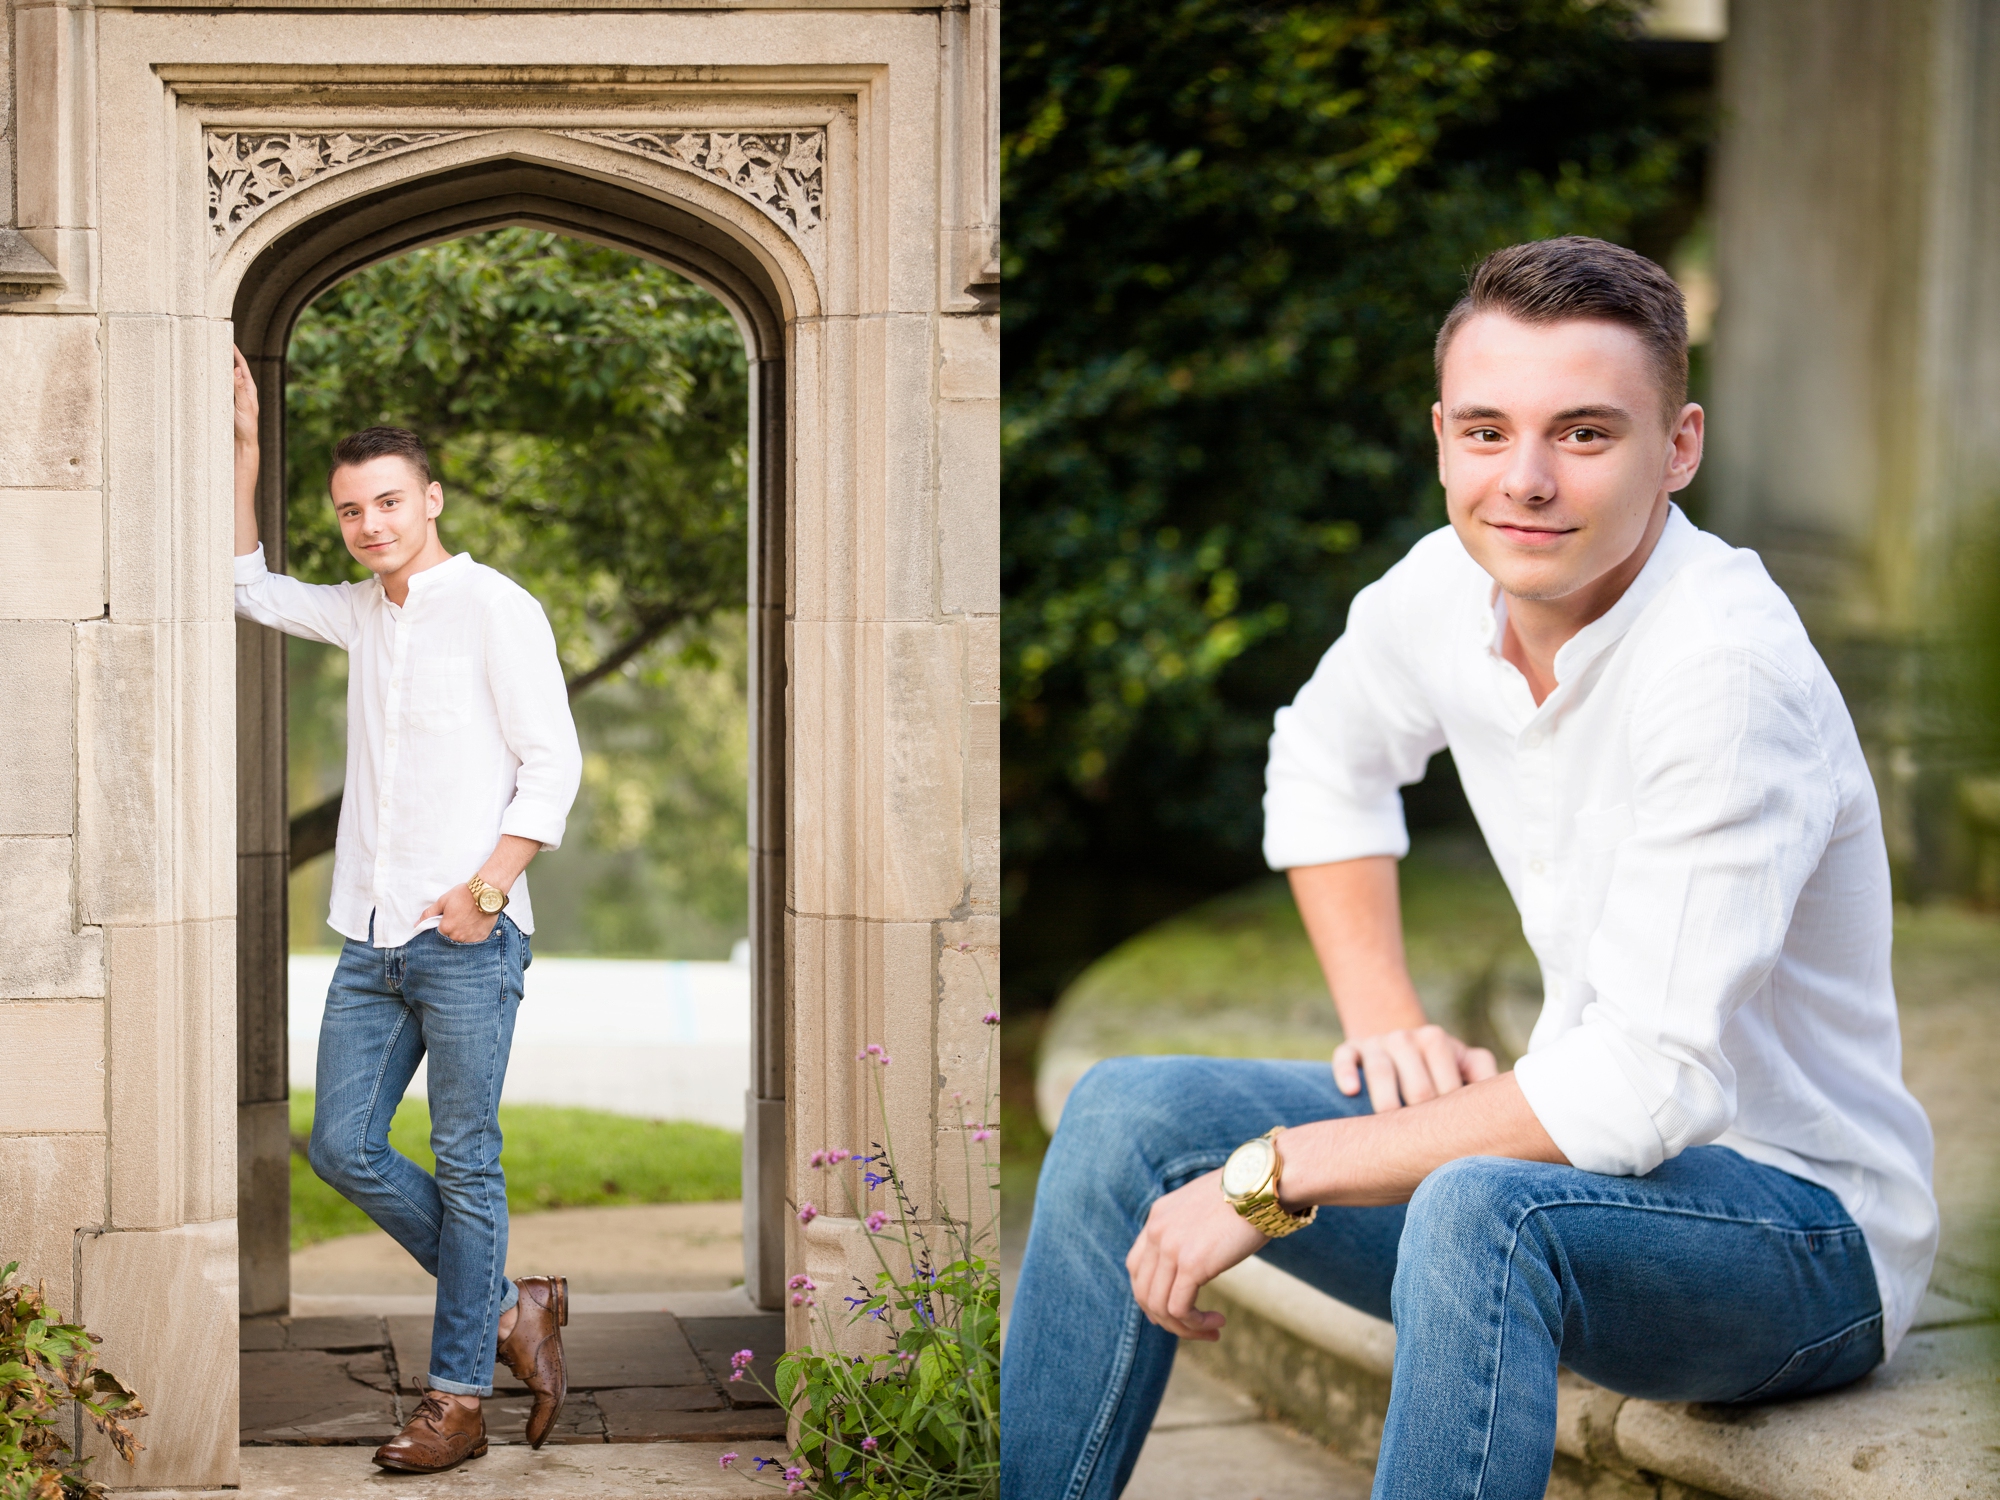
(339, 1169)
(1472, 1199)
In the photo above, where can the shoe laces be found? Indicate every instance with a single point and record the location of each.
(432, 1410)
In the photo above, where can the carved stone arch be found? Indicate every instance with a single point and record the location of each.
(323, 227)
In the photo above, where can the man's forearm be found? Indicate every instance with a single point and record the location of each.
(509, 858)
(1377, 1159)
(1353, 914)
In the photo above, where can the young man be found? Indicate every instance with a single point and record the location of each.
(462, 762)
(1706, 1180)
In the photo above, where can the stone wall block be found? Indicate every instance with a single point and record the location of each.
(968, 506)
(807, 526)
(920, 824)
(56, 187)
(906, 471)
(149, 1115)
(823, 841)
(982, 806)
(51, 438)
(831, 402)
(59, 1044)
(45, 956)
(982, 658)
(157, 771)
(829, 1027)
(907, 1007)
(204, 570)
(53, 565)
(969, 358)
(50, 1187)
(207, 983)
(38, 687)
(164, 1302)
(141, 374)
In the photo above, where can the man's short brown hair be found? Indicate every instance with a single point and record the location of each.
(1552, 281)
(371, 443)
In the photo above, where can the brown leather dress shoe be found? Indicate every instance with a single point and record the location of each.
(534, 1350)
(442, 1435)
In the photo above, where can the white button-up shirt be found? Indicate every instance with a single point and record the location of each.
(1690, 832)
(458, 731)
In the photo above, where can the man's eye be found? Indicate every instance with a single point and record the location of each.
(1586, 434)
(1484, 435)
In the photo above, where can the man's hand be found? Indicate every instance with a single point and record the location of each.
(463, 921)
(1191, 1237)
(247, 456)
(1409, 1066)
(246, 404)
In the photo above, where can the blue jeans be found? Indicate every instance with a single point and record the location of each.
(1710, 1279)
(387, 1008)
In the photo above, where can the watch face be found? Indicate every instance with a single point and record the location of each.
(489, 900)
(1248, 1168)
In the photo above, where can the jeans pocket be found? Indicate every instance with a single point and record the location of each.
(451, 942)
(1823, 1365)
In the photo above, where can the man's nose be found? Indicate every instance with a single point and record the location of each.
(1530, 478)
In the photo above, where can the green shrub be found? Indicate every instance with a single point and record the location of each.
(45, 1363)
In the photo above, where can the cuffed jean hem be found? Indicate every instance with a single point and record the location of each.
(453, 1388)
(509, 1297)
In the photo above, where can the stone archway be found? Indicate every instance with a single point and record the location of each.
(292, 268)
(183, 164)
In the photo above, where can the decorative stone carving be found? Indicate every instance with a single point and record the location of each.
(249, 171)
(783, 172)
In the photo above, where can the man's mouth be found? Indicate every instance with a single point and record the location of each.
(1531, 536)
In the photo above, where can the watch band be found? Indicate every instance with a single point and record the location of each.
(1263, 1210)
(479, 888)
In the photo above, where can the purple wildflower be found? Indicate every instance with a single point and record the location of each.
(875, 1221)
(991, 1018)
(726, 1460)
(807, 1213)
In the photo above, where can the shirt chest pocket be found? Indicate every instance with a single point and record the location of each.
(440, 700)
(1601, 829)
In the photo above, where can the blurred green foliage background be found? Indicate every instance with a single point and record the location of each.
(586, 413)
(1231, 232)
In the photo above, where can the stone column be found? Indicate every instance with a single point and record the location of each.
(1856, 422)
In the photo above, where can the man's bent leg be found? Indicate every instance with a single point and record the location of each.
(465, 995)
(1709, 1279)
(1083, 1370)
(369, 1046)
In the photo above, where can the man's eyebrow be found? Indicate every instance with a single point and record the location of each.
(1478, 414)
(1600, 413)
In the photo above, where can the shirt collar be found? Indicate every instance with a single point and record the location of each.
(1674, 548)
(420, 583)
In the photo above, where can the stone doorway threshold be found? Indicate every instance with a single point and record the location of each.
(345, 1372)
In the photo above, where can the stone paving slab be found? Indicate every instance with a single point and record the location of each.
(624, 1471)
(603, 1350)
(637, 1377)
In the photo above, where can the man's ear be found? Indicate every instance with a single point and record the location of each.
(1685, 447)
(1437, 431)
(434, 500)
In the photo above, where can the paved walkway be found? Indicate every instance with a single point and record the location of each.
(655, 1313)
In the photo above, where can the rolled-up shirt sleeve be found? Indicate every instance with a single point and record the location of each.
(525, 675)
(316, 611)
(1731, 812)
(1359, 731)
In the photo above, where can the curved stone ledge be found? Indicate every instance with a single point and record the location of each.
(1918, 1429)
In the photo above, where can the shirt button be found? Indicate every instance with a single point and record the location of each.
(1534, 867)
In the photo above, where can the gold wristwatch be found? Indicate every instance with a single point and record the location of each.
(488, 898)
(1250, 1183)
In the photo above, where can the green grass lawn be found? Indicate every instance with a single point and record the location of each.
(553, 1157)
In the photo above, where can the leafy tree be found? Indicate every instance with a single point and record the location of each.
(586, 412)
(1232, 229)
